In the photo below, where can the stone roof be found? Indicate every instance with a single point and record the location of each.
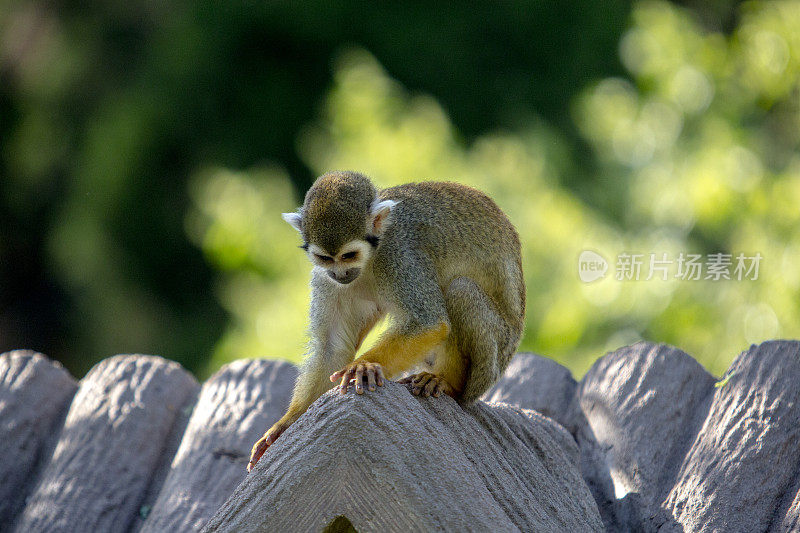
(646, 441)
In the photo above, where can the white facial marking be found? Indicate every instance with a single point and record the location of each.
(343, 261)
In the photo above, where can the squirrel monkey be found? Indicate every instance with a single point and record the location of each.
(440, 258)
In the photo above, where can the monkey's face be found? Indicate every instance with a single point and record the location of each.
(342, 221)
(346, 264)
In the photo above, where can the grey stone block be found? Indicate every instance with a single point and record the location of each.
(389, 461)
(112, 442)
(787, 519)
(538, 383)
(235, 407)
(659, 447)
(645, 404)
(34, 395)
(535, 382)
(744, 460)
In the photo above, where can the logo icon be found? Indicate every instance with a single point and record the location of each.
(591, 266)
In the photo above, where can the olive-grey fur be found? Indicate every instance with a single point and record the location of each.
(448, 254)
(336, 208)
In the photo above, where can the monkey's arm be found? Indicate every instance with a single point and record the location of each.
(336, 329)
(395, 353)
(421, 324)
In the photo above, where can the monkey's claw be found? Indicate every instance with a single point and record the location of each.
(427, 384)
(358, 370)
(265, 442)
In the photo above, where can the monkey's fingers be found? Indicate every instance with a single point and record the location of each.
(430, 387)
(418, 384)
(421, 378)
(358, 371)
(258, 450)
(336, 376)
(427, 384)
(346, 380)
(360, 379)
(443, 387)
(343, 376)
(374, 375)
(264, 443)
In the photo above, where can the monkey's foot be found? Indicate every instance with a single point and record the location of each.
(428, 384)
(359, 370)
(265, 442)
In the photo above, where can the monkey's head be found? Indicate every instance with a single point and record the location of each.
(341, 221)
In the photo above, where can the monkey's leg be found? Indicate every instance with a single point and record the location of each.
(395, 353)
(482, 337)
(447, 374)
(310, 385)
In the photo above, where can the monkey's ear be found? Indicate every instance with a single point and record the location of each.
(380, 215)
(294, 219)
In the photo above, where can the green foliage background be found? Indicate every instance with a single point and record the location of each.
(147, 153)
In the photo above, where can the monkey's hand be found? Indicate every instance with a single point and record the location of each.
(266, 441)
(359, 370)
(428, 384)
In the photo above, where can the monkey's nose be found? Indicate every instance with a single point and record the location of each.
(349, 275)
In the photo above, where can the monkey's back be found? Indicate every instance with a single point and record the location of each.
(464, 233)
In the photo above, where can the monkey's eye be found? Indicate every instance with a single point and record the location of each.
(324, 258)
(349, 255)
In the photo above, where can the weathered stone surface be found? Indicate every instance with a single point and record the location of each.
(747, 453)
(535, 382)
(234, 409)
(171, 445)
(111, 444)
(659, 447)
(594, 470)
(788, 517)
(34, 395)
(389, 461)
(645, 404)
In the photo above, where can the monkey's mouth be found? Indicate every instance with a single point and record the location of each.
(349, 275)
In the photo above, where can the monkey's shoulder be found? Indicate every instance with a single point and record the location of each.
(444, 202)
(437, 190)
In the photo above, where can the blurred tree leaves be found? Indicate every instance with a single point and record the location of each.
(107, 109)
(148, 149)
(687, 146)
